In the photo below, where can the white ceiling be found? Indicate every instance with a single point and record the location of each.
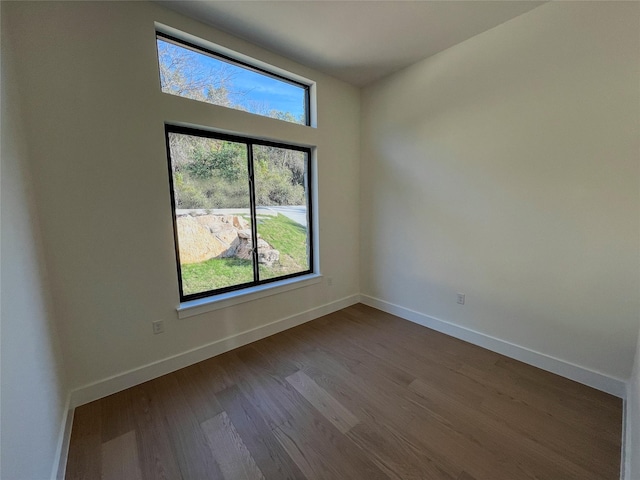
(356, 41)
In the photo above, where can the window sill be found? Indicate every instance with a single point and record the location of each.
(209, 304)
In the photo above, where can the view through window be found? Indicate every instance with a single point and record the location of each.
(241, 210)
(192, 72)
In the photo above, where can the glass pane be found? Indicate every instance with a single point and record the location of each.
(213, 220)
(190, 73)
(281, 210)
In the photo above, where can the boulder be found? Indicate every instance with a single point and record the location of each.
(240, 223)
(196, 243)
(220, 226)
(267, 255)
(214, 219)
(209, 236)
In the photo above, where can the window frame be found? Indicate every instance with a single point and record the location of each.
(242, 64)
(249, 142)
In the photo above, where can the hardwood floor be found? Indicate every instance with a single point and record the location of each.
(358, 394)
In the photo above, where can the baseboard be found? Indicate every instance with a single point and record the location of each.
(62, 448)
(597, 380)
(624, 456)
(122, 381)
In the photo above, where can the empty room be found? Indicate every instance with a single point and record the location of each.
(320, 240)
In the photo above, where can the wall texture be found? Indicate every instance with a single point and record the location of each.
(34, 389)
(95, 122)
(506, 168)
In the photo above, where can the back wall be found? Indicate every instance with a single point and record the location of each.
(94, 120)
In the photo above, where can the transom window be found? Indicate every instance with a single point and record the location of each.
(241, 210)
(191, 71)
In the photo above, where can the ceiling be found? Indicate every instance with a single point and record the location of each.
(356, 41)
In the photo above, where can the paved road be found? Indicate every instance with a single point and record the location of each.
(296, 213)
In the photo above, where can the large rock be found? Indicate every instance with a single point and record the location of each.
(219, 221)
(209, 236)
(267, 255)
(195, 242)
(223, 227)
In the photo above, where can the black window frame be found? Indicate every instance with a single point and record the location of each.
(249, 142)
(233, 61)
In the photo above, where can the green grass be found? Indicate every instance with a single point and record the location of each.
(215, 273)
(282, 233)
(290, 239)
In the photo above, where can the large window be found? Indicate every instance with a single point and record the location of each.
(241, 210)
(194, 72)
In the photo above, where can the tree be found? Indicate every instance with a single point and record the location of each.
(183, 73)
(218, 157)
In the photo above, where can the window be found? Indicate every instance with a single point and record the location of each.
(191, 71)
(241, 210)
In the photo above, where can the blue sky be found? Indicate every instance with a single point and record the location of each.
(250, 88)
(260, 88)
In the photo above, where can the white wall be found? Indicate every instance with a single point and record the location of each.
(506, 167)
(632, 430)
(34, 390)
(94, 114)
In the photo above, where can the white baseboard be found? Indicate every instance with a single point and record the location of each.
(624, 455)
(64, 437)
(136, 376)
(597, 380)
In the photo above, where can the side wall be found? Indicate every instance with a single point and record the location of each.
(95, 124)
(34, 390)
(506, 168)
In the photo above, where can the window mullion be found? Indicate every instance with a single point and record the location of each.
(254, 216)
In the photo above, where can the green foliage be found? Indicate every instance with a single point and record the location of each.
(187, 195)
(279, 176)
(223, 194)
(211, 193)
(210, 173)
(225, 159)
(274, 185)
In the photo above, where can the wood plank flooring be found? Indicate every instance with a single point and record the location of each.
(358, 394)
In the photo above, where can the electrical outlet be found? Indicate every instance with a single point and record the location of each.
(461, 298)
(329, 281)
(158, 326)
